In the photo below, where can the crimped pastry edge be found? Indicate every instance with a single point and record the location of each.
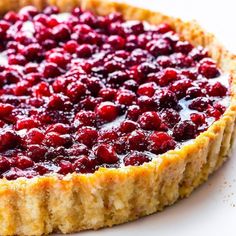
(77, 202)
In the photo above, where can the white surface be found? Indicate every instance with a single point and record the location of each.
(211, 209)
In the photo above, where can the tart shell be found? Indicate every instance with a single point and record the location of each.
(108, 197)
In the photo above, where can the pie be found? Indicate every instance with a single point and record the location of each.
(107, 113)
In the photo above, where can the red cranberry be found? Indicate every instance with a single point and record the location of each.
(108, 94)
(75, 90)
(34, 136)
(183, 46)
(59, 128)
(24, 162)
(85, 118)
(167, 76)
(214, 113)
(150, 120)
(198, 119)
(11, 17)
(194, 92)
(106, 154)
(137, 140)
(147, 89)
(159, 47)
(160, 142)
(208, 68)
(54, 139)
(61, 32)
(8, 139)
(200, 104)
(87, 135)
(57, 101)
(5, 109)
(26, 123)
(116, 41)
(125, 97)
(65, 167)
(84, 50)
(107, 111)
(184, 130)
(36, 152)
(180, 87)
(136, 159)
(51, 70)
(4, 164)
(166, 99)
(198, 53)
(128, 126)
(71, 46)
(107, 135)
(217, 89)
(32, 52)
(170, 117)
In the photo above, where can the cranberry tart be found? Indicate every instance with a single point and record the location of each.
(107, 113)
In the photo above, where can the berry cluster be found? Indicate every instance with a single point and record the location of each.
(80, 91)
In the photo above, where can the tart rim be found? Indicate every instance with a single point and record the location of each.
(35, 207)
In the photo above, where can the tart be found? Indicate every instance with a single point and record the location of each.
(107, 113)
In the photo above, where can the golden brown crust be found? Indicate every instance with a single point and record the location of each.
(112, 196)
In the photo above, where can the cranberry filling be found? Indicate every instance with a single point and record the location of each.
(80, 91)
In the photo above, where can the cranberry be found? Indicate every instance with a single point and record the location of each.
(200, 104)
(197, 118)
(57, 101)
(32, 52)
(4, 164)
(167, 76)
(107, 111)
(217, 89)
(160, 142)
(166, 99)
(65, 167)
(5, 109)
(11, 17)
(180, 87)
(108, 94)
(150, 120)
(27, 123)
(75, 90)
(116, 41)
(107, 135)
(106, 154)
(85, 118)
(54, 139)
(170, 116)
(61, 32)
(183, 46)
(136, 159)
(87, 135)
(125, 97)
(159, 47)
(147, 89)
(137, 140)
(198, 53)
(59, 128)
(36, 152)
(71, 46)
(184, 130)
(24, 162)
(84, 50)
(128, 126)
(51, 70)
(194, 92)
(208, 68)
(34, 136)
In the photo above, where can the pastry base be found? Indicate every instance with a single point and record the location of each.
(113, 196)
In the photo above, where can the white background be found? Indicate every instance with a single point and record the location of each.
(211, 209)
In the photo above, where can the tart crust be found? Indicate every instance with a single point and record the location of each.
(107, 197)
